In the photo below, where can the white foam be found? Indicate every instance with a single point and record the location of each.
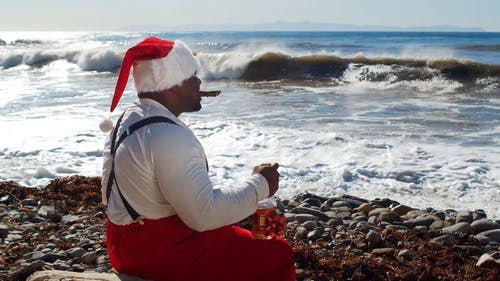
(362, 78)
(418, 142)
(99, 60)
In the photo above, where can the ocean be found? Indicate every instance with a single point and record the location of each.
(410, 116)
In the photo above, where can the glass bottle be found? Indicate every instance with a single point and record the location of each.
(265, 208)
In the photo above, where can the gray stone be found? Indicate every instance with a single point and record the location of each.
(310, 225)
(324, 208)
(300, 274)
(478, 214)
(303, 210)
(52, 257)
(406, 254)
(385, 202)
(464, 216)
(446, 239)
(333, 222)
(469, 250)
(289, 217)
(61, 266)
(364, 226)
(49, 212)
(339, 204)
(365, 208)
(463, 227)
(383, 251)
(486, 259)
(414, 213)
(52, 275)
(483, 225)
(75, 252)
(374, 237)
(77, 267)
(377, 212)
(89, 258)
(440, 215)
(51, 246)
(29, 202)
(338, 214)
(305, 217)
(397, 227)
(13, 237)
(315, 234)
(360, 218)
(401, 209)
(353, 202)
(4, 230)
(5, 199)
(68, 219)
(312, 202)
(491, 235)
(102, 259)
(439, 224)
(388, 217)
(373, 220)
(35, 265)
(301, 233)
(421, 229)
(422, 220)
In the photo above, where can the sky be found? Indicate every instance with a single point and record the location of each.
(111, 15)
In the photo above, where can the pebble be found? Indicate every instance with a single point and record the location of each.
(406, 254)
(483, 225)
(446, 239)
(463, 227)
(374, 237)
(365, 208)
(485, 260)
(401, 209)
(492, 235)
(383, 251)
(76, 241)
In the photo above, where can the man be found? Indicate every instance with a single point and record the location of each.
(165, 219)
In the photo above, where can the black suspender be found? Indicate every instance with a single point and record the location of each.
(112, 178)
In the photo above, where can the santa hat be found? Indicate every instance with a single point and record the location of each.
(158, 65)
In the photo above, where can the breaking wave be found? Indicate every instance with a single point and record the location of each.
(279, 66)
(99, 60)
(486, 48)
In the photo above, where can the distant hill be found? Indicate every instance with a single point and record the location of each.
(298, 26)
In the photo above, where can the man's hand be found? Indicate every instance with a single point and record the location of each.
(270, 172)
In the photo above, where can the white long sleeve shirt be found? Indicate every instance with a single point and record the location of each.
(161, 171)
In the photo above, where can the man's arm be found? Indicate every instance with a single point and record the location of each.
(182, 176)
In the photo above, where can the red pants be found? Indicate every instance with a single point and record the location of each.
(166, 249)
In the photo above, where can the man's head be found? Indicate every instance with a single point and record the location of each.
(158, 65)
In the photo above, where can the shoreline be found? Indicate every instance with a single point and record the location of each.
(61, 227)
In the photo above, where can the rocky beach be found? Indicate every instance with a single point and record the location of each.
(61, 227)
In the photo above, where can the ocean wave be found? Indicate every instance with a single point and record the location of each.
(100, 61)
(274, 65)
(278, 66)
(97, 60)
(486, 48)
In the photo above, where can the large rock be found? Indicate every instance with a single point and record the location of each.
(491, 235)
(484, 225)
(58, 275)
(463, 227)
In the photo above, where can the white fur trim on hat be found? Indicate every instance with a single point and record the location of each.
(106, 125)
(164, 73)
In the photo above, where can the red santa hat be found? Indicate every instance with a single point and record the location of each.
(158, 65)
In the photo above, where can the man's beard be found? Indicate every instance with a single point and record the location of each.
(197, 107)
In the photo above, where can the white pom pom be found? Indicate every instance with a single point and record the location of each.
(106, 125)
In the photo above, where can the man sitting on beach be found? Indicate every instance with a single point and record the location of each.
(166, 221)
